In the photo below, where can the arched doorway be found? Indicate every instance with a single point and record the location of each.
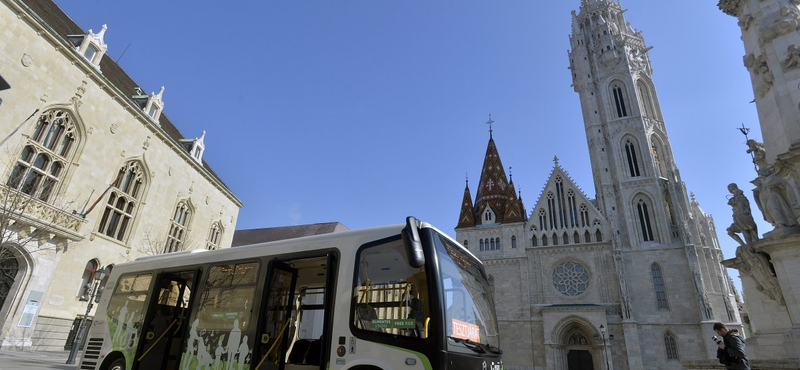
(578, 355)
(9, 270)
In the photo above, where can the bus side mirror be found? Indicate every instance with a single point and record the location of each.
(412, 243)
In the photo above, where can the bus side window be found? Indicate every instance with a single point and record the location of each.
(126, 308)
(390, 295)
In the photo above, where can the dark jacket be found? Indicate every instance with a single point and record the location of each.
(733, 356)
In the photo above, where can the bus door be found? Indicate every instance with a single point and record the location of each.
(161, 344)
(276, 317)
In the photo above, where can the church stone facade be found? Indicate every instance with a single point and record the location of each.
(628, 280)
(92, 174)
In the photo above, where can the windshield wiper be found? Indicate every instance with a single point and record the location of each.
(475, 346)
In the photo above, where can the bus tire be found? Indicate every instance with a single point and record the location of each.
(118, 364)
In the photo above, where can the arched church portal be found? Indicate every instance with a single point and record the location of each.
(580, 347)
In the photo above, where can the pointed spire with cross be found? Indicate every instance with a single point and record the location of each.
(490, 122)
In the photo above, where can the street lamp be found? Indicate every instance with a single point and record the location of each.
(78, 342)
(603, 333)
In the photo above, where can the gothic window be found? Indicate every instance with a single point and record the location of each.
(633, 161)
(562, 206)
(573, 210)
(542, 219)
(552, 212)
(587, 237)
(555, 239)
(598, 236)
(481, 247)
(513, 241)
(658, 287)
(644, 221)
(570, 278)
(497, 243)
(659, 156)
(670, 346)
(466, 244)
(584, 215)
(645, 100)
(565, 238)
(46, 156)
(122, 202)
(215, 235)
(176, 238)
(544, 240)
(576, 238)
(619, 100)
(534, 241)
(668, 207)
(85, 289)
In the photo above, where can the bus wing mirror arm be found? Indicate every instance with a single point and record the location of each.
(413, 243)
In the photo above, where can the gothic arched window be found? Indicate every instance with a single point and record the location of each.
(178, 228)
(633, 160)
(670, 344)
(46, 156)
(513, 241)
(584, 215)
(122, 202)
(534, 241)
(576, 238)
(542, 219)
(87, 279)
(215, 235)
(658, 287)
(497, 242)
(644, 221)
(587, 237)
(481, 244)
(646, 100)
(619, 100)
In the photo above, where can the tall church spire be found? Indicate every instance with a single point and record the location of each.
(496, 199)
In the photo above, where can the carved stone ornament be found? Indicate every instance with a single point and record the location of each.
(146, 143)
(26, 60)
(756, 265)
(113, 128)
(792, 57)
(745, 21)
(765, 76)
(749, 60)
(780, 23)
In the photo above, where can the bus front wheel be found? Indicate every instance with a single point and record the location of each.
(118, 364)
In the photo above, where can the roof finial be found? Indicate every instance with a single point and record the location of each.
(510, 175)
(467, 177)
(490, 122)
(555, 160)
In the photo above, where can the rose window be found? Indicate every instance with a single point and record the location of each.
(571, 279)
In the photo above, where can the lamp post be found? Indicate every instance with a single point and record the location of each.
(78, 342)
(603, 333)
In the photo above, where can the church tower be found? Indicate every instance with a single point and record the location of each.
(629, 280)
(637, 182)
(634, 173)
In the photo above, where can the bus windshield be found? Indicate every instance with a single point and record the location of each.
(469, 309)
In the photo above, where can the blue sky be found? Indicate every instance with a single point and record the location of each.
(365, 112)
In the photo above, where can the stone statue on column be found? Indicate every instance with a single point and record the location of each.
(743, 221)
(777, 201)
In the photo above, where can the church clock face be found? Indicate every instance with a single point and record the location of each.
(571, 279)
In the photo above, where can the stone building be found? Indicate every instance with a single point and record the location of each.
(628, 280)
(93, 174)
(770, 265)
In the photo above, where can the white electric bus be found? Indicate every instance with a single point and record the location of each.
(393, 297)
